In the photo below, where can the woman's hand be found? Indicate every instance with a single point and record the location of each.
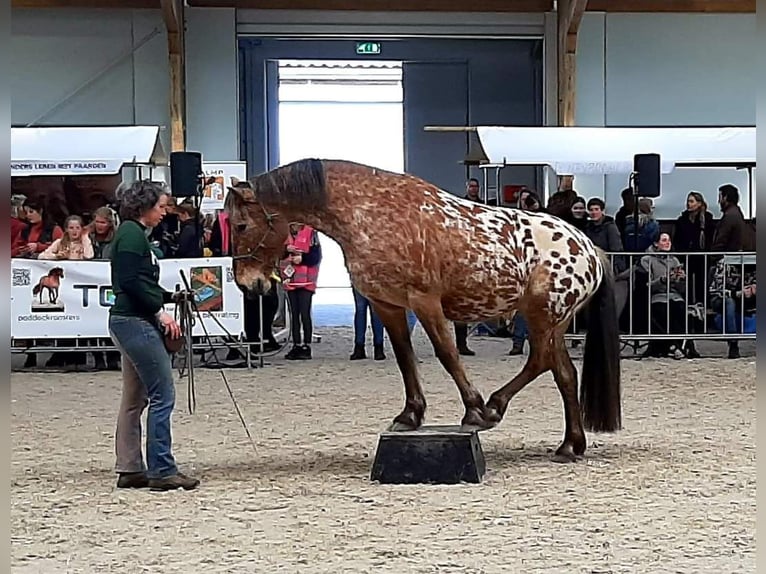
(296, 259)
(169, 325)
(31, 247)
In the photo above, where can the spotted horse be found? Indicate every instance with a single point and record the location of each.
(411, 245)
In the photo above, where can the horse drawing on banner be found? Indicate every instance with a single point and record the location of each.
(410, 245)
(51, 283)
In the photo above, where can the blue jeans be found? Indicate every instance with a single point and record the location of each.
(732, 320)
(520, 332)
(361, 306)
(147, 380)
(412, 320)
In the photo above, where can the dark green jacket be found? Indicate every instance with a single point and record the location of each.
(135, 274)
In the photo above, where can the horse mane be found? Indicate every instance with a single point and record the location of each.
(301, 184)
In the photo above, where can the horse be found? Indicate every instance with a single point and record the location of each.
(51, 282)
(410, 245)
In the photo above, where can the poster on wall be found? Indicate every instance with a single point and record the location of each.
(71, 299)
(214, 194)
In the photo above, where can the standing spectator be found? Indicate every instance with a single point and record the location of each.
(578, 214)
(189, 244)
(732, 233)
(102, 230)
(693, 233)
(639, 238)
(627, 208)
(473, 193)
(74, 244)
(38, 234)
(361, 307)
(603, 232)
(300, 270)
(18, 219)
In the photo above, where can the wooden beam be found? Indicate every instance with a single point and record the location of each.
(569, 16)
(383, 5)
(127, 4)
(173, 15)
(704, 6)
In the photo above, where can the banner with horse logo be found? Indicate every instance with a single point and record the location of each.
(71, 299)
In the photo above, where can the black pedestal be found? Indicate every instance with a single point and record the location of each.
(432, 454)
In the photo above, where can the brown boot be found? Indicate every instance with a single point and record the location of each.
(173, 482)
(132, 480)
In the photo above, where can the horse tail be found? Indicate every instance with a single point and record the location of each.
(600, 386)
(37, 288)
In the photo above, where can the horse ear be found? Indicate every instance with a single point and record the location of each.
(234, 181)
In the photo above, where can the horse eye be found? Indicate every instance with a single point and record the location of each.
(241, 226)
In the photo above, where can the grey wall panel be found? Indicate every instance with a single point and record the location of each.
(56, 52)
(212, 83)
(666, 69)
(505, 84)
(435, 93)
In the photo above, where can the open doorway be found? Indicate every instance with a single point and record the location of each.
(348, 110)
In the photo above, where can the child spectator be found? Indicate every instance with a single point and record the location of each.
(74, 244)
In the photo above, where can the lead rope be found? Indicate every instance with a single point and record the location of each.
(188, 309)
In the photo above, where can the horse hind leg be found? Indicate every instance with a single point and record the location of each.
(565, 375)
(394, 320)
(434, 322)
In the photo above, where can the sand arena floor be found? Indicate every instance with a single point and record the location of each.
(673, 492)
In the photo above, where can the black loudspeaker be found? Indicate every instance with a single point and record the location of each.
(647, 178)
(185, 172)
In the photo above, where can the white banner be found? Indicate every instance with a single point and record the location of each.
(71, 299)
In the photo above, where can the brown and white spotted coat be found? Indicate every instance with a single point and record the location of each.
(479, 260)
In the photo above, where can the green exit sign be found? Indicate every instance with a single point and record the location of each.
(368, 48)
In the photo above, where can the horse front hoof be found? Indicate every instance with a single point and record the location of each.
(564, 454)
(396, 426)
(476, 420)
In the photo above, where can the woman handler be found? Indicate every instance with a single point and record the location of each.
(137, 322)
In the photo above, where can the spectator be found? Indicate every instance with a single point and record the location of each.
(18, 219)
(189, 243)
(578, 214)
(693, 233)
(627, 208)
(39, 233)
(732, 295)
(74, 244)
(361, 308)
(102, 230)
(732, 233)
(603, 232)
(642, 237)
(667, 288)
(300, 269)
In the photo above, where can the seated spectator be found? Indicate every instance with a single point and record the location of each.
(101, 233)
(732, 295)
(667, 288)
(39, 233)
(74, 244)
(642, 237)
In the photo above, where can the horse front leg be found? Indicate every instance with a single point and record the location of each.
(431, 315)
(394, 320)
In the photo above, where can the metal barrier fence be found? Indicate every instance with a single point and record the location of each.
(660, 296)
(670, 295)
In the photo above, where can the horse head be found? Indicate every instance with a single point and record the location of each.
(56, 272)
(257, 237)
